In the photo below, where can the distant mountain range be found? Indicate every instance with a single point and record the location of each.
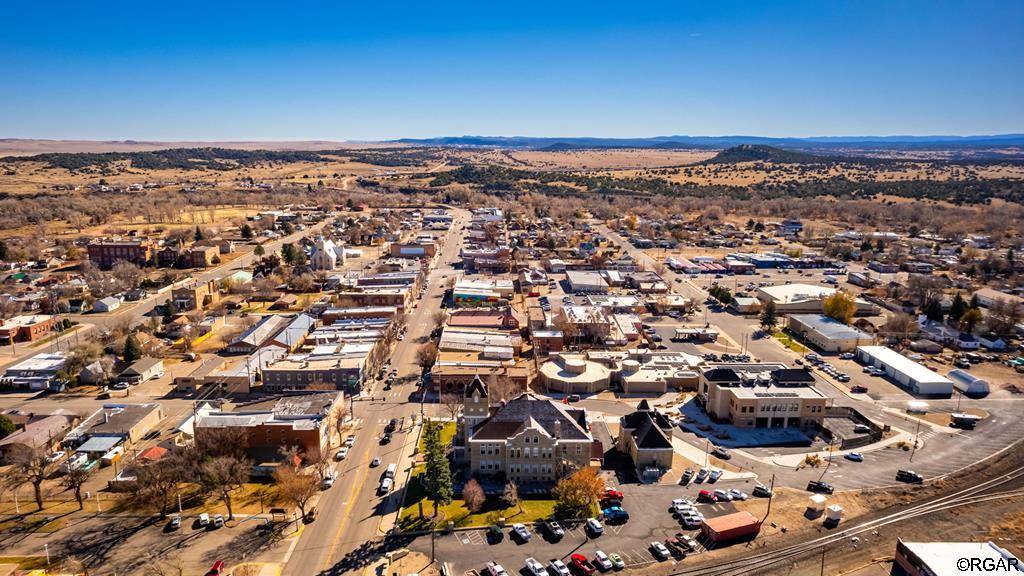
(681, 142)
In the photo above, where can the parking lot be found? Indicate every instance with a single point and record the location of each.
(651, 519)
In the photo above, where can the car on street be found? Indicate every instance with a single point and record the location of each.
(820, 486)
(56, 456)
(558, 568)
(341, 454)
(375, 462)
(595, 527)
(854, 456)
(534, 567)
(858, 389)
(602, 561)
(909, 476)
(613, 494)
(659, 550)
(521, 532)
(328, 480)
(702, 474)
(385, 438)
(494, 569)
(722, 453)
(581, 565)
(175, 523)
(553, 529)
(350, 441)
(714, 476)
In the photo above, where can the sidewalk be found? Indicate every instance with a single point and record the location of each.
(389, 520)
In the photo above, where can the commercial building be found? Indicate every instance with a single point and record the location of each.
(40, 372)
(908, 374)
(303, 421)
(947, 558)
(258, 335)
(527, 439)
(486, 318)
(574, 374)
(586, 281)
(762, 396)
(106, 253)
(483, 292)
(26, 328)
(195, 296)
(803, 298)
(827, 334)
(300, 372)
(399, 297)
(43, 432)
(646, 437)
(418, 249)
(125, 422)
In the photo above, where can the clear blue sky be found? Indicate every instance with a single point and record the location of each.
(218, 70)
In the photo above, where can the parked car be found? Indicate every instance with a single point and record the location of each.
(615, 514)
(521, 532)
(558, 568)
(617, 561)
(858, 389)
(581, 565)
(534, 567)
(494, 569)
(659, 550)
(175, 523)
(595, 527)
(702, 474)
(706, 496)
(203, 520)
(495, 534)
(687, 476)
(341, 454)
(714, 476)
(862, 429)
(820, 486)
(722, 496)
(762, 491)
(328, 480)
(602, 561)
(218, 521)
(553, 529)
(613, 493)
(737, 494)
(350, 441)
(217, 569)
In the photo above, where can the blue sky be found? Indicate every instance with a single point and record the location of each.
(375, 70)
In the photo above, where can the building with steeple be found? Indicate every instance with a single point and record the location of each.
(327, 255)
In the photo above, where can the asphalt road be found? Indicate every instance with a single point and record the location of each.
(352, 513)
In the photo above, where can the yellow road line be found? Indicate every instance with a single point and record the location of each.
(352, 498)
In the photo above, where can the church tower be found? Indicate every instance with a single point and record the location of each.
(475, 406)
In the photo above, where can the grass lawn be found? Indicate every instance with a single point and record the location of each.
(25, 562)
(447, 435)
(790, 343)
(529, 510)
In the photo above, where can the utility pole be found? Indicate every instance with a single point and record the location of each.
(771, 494)
(916, 434)
(822, 573)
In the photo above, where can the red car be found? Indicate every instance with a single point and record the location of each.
(580, 564)
(612, 494)
(707, 496)
(216, 569)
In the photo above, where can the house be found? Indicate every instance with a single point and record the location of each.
(142, 370)
(762, 396)
(108, 304)
(529, 439)
(26, 328)
(646, 437)
(43, 432)
(989, 298)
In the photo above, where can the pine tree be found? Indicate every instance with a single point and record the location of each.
(438, 474)
(198, 235)
(933, 310)
(957, 308)
(132, 349)
(246, 231)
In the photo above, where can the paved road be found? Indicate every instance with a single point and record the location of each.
(352, 513)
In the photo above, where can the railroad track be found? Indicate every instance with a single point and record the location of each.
(965, 497)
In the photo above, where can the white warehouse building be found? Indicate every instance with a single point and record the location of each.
(907, 373)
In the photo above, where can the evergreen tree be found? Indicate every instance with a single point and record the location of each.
(933, 310)
(198, 235)
(247, 231)
(3, 250)
(974, 302)
(132, 349)
(957, 308)
(769, 318)
(438, 474)
(7, 427)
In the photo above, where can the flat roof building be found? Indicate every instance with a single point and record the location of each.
(802, 298)
(586, 281)
(908, 374)
(828, 334)
(945, 558)
(766, 395)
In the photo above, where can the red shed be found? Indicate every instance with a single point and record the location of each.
(730, 527)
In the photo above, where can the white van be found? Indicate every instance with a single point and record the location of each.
(385, 486)
(390, 471)
(204, 520)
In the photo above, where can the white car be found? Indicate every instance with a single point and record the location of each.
(521, 532)
(350, 441)
(602, 561)
(594, 526)
(494, 569)
(659, 550)
(558, 568)
(737, 494)
(536, 568)
(341, 454)
(723, 496)
(328, 480)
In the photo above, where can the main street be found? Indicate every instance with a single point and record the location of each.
(351, 513)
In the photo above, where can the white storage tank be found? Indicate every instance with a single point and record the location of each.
(834, 513)
(968, 383)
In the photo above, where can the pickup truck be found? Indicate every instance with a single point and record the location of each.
(580, 565)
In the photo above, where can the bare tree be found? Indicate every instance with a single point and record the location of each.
(214, 442)
(157, 484)
(473, 495)
(31, 466)
(294, 488)
(127, 275)
(426, 355)
(452, 403)
(503, 388)
(75, 479)
(223, 475)
(511, 495)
